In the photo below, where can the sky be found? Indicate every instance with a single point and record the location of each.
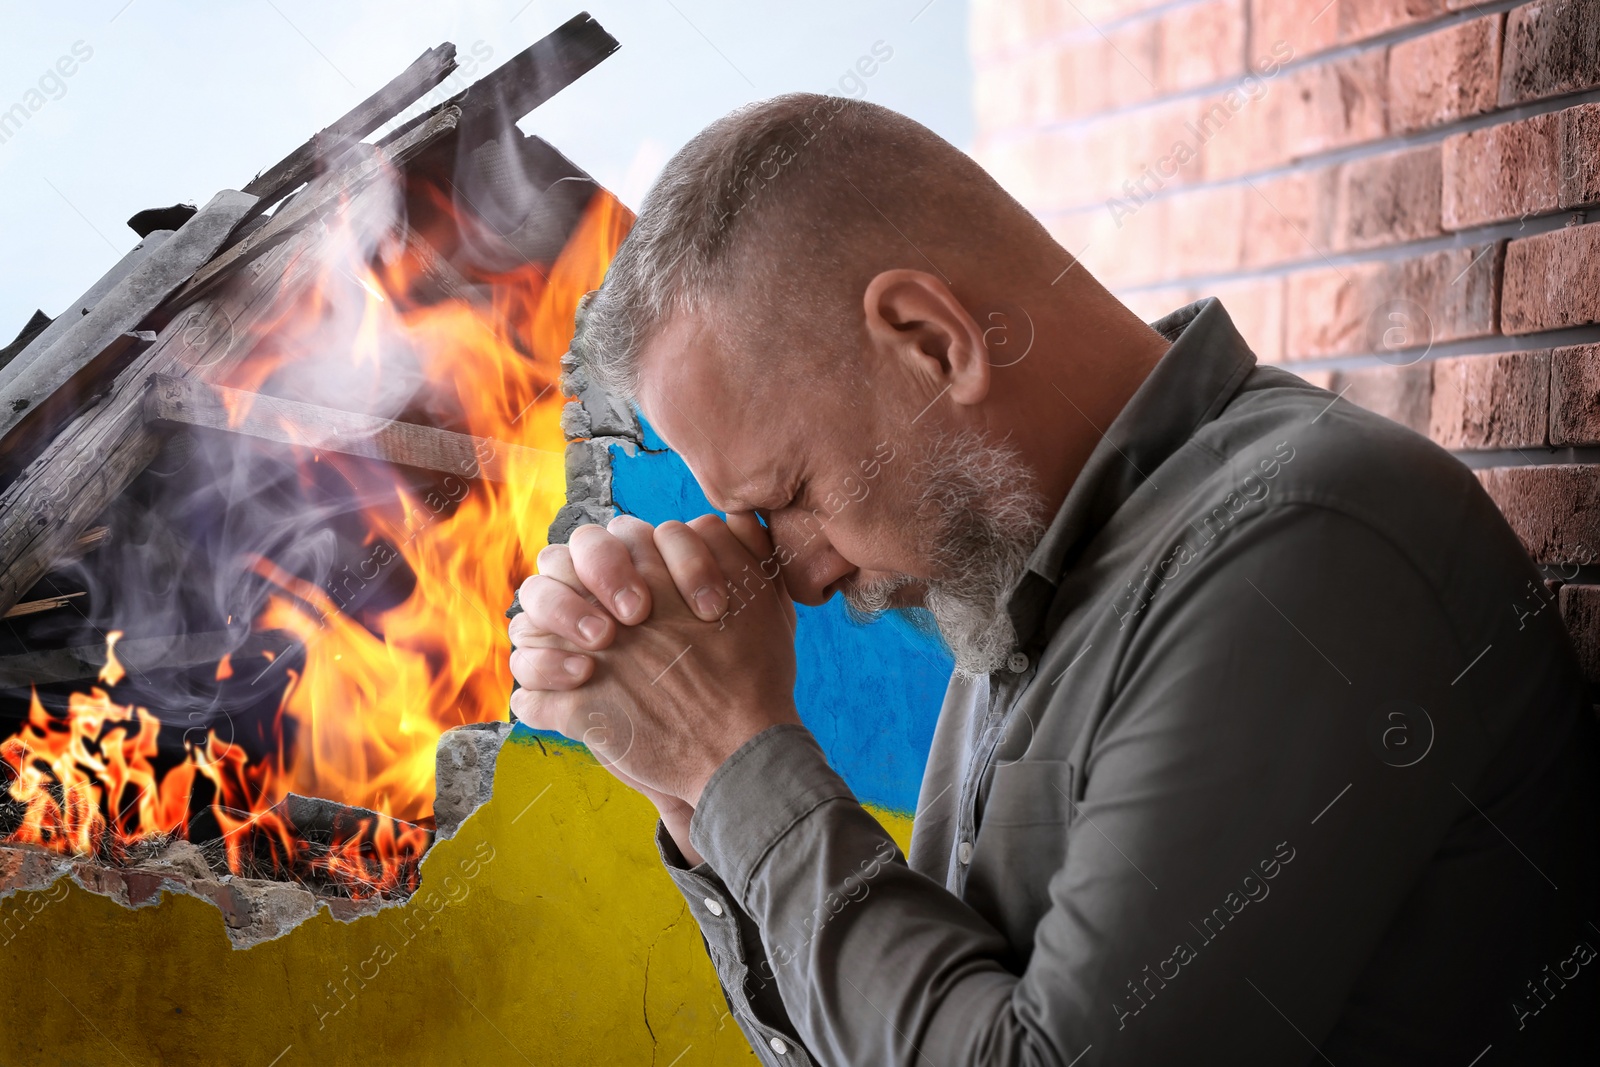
(131, 105)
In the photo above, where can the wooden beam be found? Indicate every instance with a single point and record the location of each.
(34, 607)
(361, 164)
(190, 402)
(283, 177)
(530, 77)
(80, 307)
(95, 457)
(121, 310)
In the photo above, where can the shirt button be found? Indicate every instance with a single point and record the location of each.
(779, 1045)
(713, 907)
(1016, 663)
(964, 853)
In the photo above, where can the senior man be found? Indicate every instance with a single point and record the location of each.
(1256, 751)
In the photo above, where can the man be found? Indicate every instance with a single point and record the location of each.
(1258, 748)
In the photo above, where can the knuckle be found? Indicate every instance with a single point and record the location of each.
(628, 524)
(703, 524)
(551, 557)
(586, 539)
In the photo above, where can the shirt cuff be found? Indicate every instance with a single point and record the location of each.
(758, 794)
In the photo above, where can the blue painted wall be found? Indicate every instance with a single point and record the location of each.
(870, 694)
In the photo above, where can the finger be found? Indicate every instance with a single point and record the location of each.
(555, 561)
(541, 710)
(525, 634)
(550, 669)
(550, 608)
(605, 566)
(741, 537)
(756, 538)
(694, 570)
(640, 538)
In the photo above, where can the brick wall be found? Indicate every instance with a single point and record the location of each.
(1392, 197)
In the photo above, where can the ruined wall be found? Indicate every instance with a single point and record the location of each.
(1391, 197)
(544, 930)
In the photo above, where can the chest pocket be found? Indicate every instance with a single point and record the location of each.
(1021, 844)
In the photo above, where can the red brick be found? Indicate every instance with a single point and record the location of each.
(1126, 152)
(1552, 47)
(1555, 509)
(1580, 156)
(1388, 199)
(1501, 172)
(1079, 84)
(1363, 19)
(1200, 45)
(1241, 132)
(1129, 63)
(1327, 311)
(1580, 611)
(1333, 104)
(1256, 307)
(1552, 280)
(1125, 247)
(1290, 217)
(1445, 75)
(1401, 394)
(1500, 401)
(1205, 231)
(1308, 26)
(1449, 296)
(1575, 395)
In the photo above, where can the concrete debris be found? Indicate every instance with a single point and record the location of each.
(464, 772)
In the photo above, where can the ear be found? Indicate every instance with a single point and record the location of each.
(914, 319)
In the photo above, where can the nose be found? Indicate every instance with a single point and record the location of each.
(814, 564)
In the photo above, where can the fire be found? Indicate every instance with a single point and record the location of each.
(375, 692)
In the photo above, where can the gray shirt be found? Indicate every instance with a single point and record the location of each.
(1295, 765)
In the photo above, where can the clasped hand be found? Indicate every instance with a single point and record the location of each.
(629, 642)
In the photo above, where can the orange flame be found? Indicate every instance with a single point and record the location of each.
(367, 710)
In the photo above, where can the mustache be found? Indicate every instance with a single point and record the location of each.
(867, 600)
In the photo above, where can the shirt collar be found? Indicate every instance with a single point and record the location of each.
(1188, 387)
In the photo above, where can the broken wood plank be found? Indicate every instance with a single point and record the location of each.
(361, 164)
(101, 451)
(528, 78)
(441, 275)
(409, 86)
(37, 323)
(123, 308)
(34, 607)
(191, 402)
(81, 306)
(35, 424)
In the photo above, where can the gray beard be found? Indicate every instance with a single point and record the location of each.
(982, 518)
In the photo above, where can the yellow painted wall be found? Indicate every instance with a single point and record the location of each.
(545, 932)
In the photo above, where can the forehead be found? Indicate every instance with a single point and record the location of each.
(718, 415)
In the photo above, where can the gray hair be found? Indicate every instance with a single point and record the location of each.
(782, 199)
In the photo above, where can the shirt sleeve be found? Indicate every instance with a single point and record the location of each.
(1234, 855)
(734, 945)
